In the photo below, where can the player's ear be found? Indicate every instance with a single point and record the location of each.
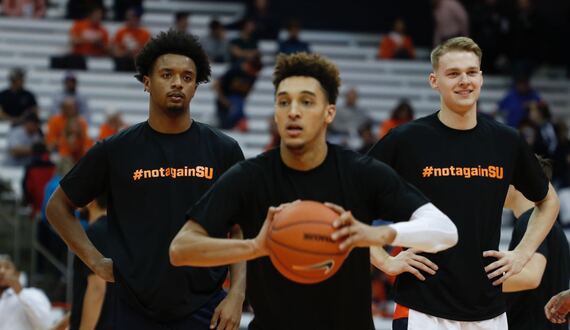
(330, 113)
(432, 79)
(146, 83)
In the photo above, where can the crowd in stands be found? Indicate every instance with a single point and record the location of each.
(508, 37)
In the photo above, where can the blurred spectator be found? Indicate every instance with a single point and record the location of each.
(120, 8)
(488, 28)
(70, 90)
(528, 130)
(524, 38)
(397, 44)
(16, 101)
(265, 26)
(91, 295)
(113, 124)
(88, 36)
(21, 139)
(215, 43)
(293, 44)
(402, 113)
(539, 114)
(182, 21)
(367, 137)
(232, 89)
(67, 132)
(244, 47)
(20, 308)
(24, 8)
(128, 41)
(512, 106)
(561, 158)
(36, 175)
(79, 9)
(450, 19)
(348, 119)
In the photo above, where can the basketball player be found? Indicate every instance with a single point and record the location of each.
(465, 163)
(546, 273)
(306, 167)
(153, 172)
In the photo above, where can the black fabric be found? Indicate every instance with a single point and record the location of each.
(97, 233)
(15, 103)
(68, 61)
(243, 195)
(152, 179)
(474, 169)
(525, 309)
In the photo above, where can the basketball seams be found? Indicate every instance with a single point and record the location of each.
(315, 222)
(305, 251)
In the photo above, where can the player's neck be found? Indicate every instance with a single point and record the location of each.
(304, 159)
(458, 120)
(163, 123)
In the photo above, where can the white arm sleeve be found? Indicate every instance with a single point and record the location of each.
(428, 230)
(37, 307)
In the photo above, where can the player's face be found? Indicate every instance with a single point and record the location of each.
(172, 83)
(302, 112)
(458, 79)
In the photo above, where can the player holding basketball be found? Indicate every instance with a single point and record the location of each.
(464, 163)
(153, 172)
(306, 167)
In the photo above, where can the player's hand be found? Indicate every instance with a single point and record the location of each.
(354, 233)
(508, 263)
(104, 269)
(558, 307)
(227, 314)
(11, 280)
(409, 261)
(260, 246)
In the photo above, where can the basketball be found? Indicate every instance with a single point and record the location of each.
(300, 244)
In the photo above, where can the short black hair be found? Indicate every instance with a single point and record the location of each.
(181, 15)
(173, 42)
(308, 65)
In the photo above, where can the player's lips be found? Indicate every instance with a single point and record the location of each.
(294, 130)
(175, 96)
(464, 92)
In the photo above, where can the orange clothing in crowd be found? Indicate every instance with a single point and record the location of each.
(87, 30)
(106, 130)
(131, 40)
(388, 124)
(389, 47)
(67, 143)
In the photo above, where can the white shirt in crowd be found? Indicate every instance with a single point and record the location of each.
(29, 310)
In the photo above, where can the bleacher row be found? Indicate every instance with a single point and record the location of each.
(29, 43)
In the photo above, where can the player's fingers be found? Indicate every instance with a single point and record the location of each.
(337, 208)
(215, 318)
(501, 271)
(503, 278)
(421, 266)
(493, 253)
(344, 219)
(223, 323)
(494, 265)
(425, 261)
(415, 272)
(348, 243)
(340, 233)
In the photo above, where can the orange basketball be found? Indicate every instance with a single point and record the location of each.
(300, 244)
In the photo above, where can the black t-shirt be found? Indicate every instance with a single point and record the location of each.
(237, 82)
(525, 309)
(16, 103)
(357, 182)
(97, 233)
(466, 174)
(152, 179)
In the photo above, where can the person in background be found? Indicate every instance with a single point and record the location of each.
(21, 139)
(129, 40)
(293, 44)
(24, 8)
(20, 308)
(113, 124)
(70, 89)
(397, 44)
(16, 101)
(402, 113)
(88, 36)
(182, 21)
(215, 43)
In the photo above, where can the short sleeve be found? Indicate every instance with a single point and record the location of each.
(528, 176)
(519, 230)
(89, 177)
(217, 210)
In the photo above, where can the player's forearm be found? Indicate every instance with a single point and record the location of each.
(428, 230)
(193, 247)
(541, 221)
(92, 302)
(238, 270)
(59, 212)
(378, 257)
(529, 278)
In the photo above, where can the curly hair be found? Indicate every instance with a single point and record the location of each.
(173, 42)
(309, 65)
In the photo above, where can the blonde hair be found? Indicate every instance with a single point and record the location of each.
(454, 44)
